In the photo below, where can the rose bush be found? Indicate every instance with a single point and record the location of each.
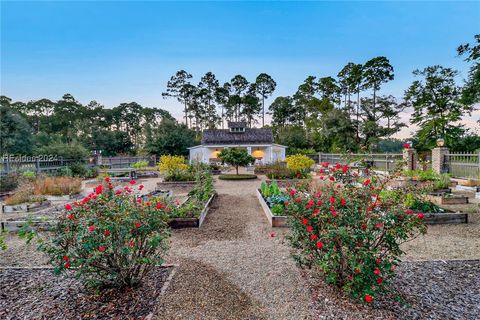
(111, 237)
(352, 236)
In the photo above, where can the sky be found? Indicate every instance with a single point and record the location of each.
(123, 51)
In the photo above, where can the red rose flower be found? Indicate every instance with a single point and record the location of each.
(86, 199)
(313, 236)
(319, 203)
(68, 207)
(139, 200)
(409, 211)
(94, 196)
(406, 145)
(138, 225)
(376, 271)
(69, 217)
(140, 187)
(99, 189)
(379, 280)
(107, 179)
(337, 166)
(305, 221)
(101, 249)
(159, 205)
(377, 261)
(366, 182)
(332, 200)
(325, 164)
(118, 192)
(331, 179)
(106, 233)
(334, 213)
(292, 192)
(91, 228)
(379, 225)
(343, 202)
(309, 228)
(67, 265)
(368, 298)
(109, 186)
(315, 212)
(420, 216)
(319, 245)
(320, 171)
(321, 178)
(133, 181)
(357, 270)
(344, 168)
(65, 258)
(130, 243)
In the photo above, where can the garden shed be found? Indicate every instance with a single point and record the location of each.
(257, 141)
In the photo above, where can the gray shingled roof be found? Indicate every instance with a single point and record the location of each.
(250, 136)
(240, 124)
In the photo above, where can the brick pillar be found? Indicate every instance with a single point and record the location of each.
(438, 159)
(411, 158)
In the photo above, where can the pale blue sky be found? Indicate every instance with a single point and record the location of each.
(125, 51)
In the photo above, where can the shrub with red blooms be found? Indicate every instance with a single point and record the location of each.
(344, 230)
(110, 239)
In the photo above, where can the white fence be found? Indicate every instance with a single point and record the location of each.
(462, 165)
(379, 161)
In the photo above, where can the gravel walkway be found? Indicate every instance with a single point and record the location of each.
(232, 267)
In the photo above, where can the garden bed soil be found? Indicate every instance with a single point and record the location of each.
(180, 223)
(168, 185)
(36, 293)
(275, 221)
(25, 207)
(430, 289)
(441, 199)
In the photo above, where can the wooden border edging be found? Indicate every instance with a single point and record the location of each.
(275, 221)
(440, 199)
(25, 207)
(446, 218)
(180, 223)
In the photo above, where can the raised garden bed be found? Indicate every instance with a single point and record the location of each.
(180, 223)
(14, 226)
(167, 185)
(286, 183)
(36, 293)
(446, 218)
(25, 207)
(275, 221)
(237, 177)
(66, 197)
(147, 174)
(449, 199)
(156, 193)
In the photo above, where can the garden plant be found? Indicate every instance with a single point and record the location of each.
(236, 157)
(349, 233)
(175, 168)
(111, 238)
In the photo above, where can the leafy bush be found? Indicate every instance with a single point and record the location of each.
(299, 163)
(175, 168)
(349, 233)
(271, 189)
(140, 165)
(110, 238)
(422, 175)
(30, 175)
(24, 194)
(8, 182)
(57, 186)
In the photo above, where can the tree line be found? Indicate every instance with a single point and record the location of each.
(342, 113)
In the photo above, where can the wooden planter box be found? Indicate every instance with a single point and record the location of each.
(275, 221)
(25, 207)
(147, 174)
(285, 183)
(14, 226)
(166, 185)
(180, 223)
(441, 191)
(66, 197)
(446, 218)
(441, 199)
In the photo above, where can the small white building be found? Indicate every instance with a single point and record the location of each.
(257, 141)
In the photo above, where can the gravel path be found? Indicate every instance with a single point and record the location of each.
(232, 267)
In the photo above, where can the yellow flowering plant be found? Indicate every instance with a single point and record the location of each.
(299, 163)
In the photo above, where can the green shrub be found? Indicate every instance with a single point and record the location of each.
(140, 165)
(109, 239)
(443, 181)
(271, 189)
(8, 182)
(30, 175)
(350, 234)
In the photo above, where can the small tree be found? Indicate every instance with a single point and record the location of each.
(236, 157)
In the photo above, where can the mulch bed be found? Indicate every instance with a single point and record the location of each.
(39, 294)
(430, 289)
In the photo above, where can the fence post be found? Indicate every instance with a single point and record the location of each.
(438, 159)
(37, 165)
(319, 158)
(410, 157)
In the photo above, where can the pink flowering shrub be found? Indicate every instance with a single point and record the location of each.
(110, 238)
(348, 233)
